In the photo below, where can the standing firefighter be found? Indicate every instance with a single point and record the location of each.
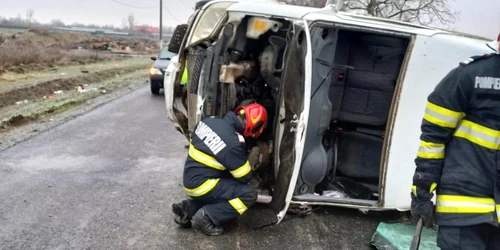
(459, 157)
(217, 171)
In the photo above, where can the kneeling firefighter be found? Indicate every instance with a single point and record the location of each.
(459, 156)
(217, 170)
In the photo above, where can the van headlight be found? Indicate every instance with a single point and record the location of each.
(154, 71)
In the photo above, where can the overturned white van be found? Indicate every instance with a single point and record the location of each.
(345, 95)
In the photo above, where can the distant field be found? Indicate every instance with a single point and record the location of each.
(9, 31)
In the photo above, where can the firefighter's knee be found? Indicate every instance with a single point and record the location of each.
(249, 195)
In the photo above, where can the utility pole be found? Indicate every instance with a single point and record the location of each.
(161, 24)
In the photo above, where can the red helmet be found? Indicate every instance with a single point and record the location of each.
(254, 117)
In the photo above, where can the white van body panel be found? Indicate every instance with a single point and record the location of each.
(431, 56)
(431, 59)
(168, 88)
(271, 9)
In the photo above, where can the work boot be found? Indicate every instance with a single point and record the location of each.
(181, 214)
(202, 222)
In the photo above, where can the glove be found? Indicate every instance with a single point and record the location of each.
(259, 156)
(422, 207)
(421, 195)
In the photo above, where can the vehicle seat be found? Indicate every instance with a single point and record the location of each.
(365, 94)
(362, 97)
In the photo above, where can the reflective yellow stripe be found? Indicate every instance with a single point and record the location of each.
(203, 188)
(238, 205)
(242, 171)
(464, 204)
(184, 79)
(478, 134)
(414, 190)
(498, 212)
(442, 116)
(204, 159)
(432, 188)
(430, 150)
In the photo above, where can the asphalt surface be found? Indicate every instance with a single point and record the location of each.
(107, 179)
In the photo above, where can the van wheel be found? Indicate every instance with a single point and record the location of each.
(155, 88)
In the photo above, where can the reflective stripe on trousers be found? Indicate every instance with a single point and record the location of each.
(238, 205)
(203, 189)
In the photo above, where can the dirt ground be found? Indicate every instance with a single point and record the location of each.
(25, 98)
(39, 49)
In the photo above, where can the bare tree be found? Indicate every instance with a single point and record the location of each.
(131, 21)
(424, 12)
(57, 23)
(29, 15)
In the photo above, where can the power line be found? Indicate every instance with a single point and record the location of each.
(185, 3)
(171, 15)
(132, 6)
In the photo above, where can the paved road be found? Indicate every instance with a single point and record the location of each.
(106, 180)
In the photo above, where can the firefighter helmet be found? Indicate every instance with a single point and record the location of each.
(254, 117)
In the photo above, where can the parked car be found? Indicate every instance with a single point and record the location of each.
(157, 70)
(345, 95)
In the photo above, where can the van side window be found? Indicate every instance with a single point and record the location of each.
(209, 21)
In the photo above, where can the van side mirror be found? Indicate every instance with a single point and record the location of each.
(153, 58)
(174, 45)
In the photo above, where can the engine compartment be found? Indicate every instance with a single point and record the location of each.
(244, 64)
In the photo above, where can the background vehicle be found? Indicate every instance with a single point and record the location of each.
(345, 95)
(157, 70)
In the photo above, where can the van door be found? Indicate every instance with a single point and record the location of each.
(296, 87)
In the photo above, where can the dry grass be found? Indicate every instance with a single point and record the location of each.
(38, 49)
(12, 55)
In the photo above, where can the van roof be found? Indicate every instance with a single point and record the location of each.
(275, 9)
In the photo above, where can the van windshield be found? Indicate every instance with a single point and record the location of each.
(165, 54)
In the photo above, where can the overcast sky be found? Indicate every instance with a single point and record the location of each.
(480, 17)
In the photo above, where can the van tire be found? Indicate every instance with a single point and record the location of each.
(155, 88)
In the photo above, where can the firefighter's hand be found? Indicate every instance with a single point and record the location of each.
(422, 207)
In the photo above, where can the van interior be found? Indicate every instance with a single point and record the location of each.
(354, 76)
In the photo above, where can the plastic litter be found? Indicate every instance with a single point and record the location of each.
(59, 92)
(80, 89)
(22, 102)
(334, 194)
